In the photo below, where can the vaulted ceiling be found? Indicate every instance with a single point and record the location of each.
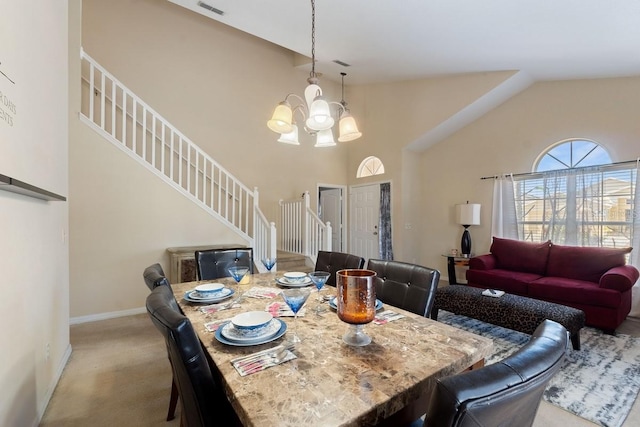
(385, 41)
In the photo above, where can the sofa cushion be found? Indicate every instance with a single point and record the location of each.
(513, 282)
(560, 289)
(516, 255)
(584, 263)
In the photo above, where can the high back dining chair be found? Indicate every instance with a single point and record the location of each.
(154, 276)
(214, 263)
(202, 399)
(506, 393)
(335, 261)
(408, 286)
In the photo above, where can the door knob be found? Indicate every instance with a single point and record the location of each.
(375, 233)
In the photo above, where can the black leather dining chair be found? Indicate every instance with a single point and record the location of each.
(408, 286)
(335, 261)
(214, 263)
(154, 276)
(506, 393)
(202, 399)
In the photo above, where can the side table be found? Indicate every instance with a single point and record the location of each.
(452, 262)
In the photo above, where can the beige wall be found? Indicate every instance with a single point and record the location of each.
(508, 140)
(34, 307)
(218, 86)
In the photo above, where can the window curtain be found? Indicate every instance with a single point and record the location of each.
(384, 234)
(634, 258)
(504, 221)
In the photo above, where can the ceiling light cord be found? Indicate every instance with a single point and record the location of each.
(313, 40)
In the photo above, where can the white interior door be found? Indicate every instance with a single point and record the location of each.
(365, 217)
(331, 211)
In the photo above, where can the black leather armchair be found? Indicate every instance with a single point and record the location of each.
(214, 263)
(203, 401)
(335, 261)
(408, 286)
(506, 393)
(154, 276)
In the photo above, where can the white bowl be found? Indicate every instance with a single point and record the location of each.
(295, 276)
(251, 320)
(209, 289)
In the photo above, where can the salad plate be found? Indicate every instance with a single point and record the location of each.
(283, 281)
(231, 333)
(192, 296)
(221, 338)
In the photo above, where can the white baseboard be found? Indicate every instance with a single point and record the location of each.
(53, 385)
(105, 316)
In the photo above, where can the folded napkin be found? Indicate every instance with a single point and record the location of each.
(214, 308)
(281, 309)
(262, 292)
(386, 317)
(215, 324)
(262, 360)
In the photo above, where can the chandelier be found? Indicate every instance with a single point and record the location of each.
(314, 109)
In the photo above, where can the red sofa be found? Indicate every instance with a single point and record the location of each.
(595, 280)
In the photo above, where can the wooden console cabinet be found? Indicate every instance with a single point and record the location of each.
(182, 263)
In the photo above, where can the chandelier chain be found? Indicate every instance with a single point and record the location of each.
(313, 38)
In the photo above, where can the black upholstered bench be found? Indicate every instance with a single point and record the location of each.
(514, 312)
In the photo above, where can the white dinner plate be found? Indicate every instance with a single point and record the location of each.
(333, 305)
(224, 294)
(283, 281)
(231, 333)
(223, 340)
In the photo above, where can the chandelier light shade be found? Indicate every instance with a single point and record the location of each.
(281, 121)
(325, 139)
(466, 215)
(315, 110)
(291, 137)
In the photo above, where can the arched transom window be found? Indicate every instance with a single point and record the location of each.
(369, 167)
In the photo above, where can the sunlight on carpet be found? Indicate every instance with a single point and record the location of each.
(598, 383)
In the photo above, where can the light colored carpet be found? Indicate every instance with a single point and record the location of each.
(119, 375)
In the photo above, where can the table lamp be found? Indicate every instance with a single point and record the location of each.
(467, 214)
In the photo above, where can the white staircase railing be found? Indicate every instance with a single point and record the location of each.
(301, 230)
(128, 122)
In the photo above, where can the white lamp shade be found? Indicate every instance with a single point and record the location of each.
(324, 138)
(348, 128)
(320, 115)
(291, 137)
(468, 214)
(281, 120)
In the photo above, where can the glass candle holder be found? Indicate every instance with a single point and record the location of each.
(356, 302)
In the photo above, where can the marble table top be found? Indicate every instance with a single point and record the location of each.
(331, 383)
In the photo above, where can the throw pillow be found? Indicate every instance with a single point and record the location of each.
(517, 255)
(584, 262)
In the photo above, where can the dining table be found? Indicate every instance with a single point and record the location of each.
(329, 383)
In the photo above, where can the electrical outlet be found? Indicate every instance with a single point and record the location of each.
(407, 226)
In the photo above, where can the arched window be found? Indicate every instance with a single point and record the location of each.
(572, 153)
(576, 196)
(369, 167)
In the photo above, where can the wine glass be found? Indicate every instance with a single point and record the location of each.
(268, 263)
(238, 273)
(295, 299)
(319, 278)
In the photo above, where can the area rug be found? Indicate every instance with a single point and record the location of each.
(599, 383)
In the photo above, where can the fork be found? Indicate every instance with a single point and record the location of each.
(256, 357)
(272, 360)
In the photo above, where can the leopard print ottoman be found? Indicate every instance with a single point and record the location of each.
(509, 311)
